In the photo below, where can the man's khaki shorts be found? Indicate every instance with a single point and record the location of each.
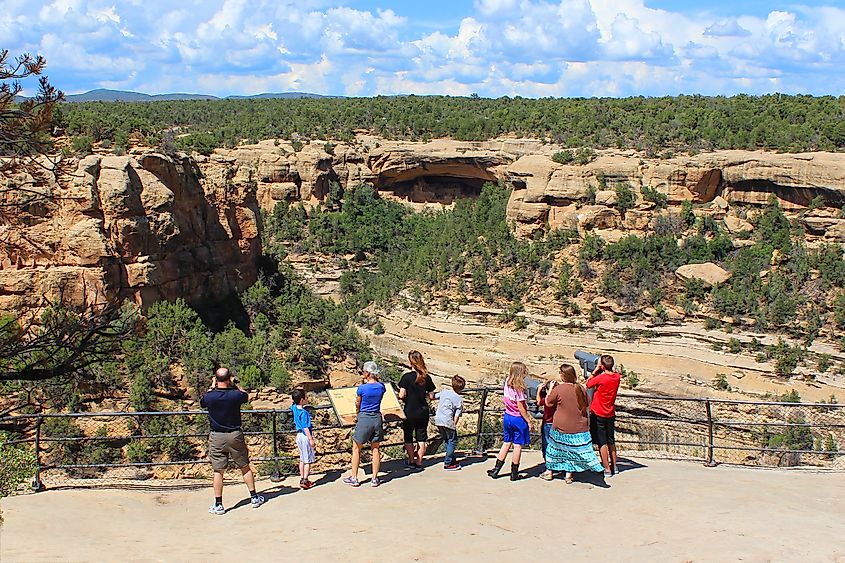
(222, 445)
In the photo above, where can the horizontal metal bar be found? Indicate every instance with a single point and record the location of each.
(656, 443)
(667, 420)
(778, 450)
(795, 424)
(264, 412)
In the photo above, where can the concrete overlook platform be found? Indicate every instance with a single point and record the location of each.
(655, 510)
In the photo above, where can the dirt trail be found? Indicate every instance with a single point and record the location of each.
(655, 510)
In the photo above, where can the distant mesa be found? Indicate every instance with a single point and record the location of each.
(105, 95)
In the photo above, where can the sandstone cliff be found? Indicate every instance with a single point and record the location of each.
(435, 173)
(149, 226)
(143, 227)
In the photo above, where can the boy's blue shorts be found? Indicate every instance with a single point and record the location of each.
(516, 430)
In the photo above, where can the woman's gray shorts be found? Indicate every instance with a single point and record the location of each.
(369, 428)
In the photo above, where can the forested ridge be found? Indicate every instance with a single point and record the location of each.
(691, 123)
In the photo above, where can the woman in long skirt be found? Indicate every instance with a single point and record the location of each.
(569, 448)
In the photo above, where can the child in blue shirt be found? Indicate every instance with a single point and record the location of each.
(304, 437)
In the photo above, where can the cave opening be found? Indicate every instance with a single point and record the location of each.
(797, 196)
(444, 190)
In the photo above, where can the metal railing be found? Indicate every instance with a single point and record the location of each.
(70, 447)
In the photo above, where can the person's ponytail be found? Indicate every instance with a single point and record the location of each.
(418, 365)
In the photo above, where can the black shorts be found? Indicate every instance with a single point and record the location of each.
(603, 430)
(415, 430)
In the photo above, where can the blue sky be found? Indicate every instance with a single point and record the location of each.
(529, 48)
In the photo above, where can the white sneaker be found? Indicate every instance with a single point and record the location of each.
(217, 509)
(257, 501)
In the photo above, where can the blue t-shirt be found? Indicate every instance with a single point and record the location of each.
(301, 418)
(224, 408)
(371, 394)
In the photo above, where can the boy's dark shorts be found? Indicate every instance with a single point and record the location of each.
(418, 427)
(223, 445)
(603, 430)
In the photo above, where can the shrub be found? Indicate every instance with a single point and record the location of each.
(816, 203)
(18, 467)
(82, 144)
(280, 377)
(98, 451)
(786, 358)
(711, 323)
(63, 453)
(830, 444)
(661, 315)
(668, 224)
(592, 248)
(660, 200)
(625, 198)
(251, 378)
(631, 379)
(585, 155)
(591, 194)
(173, 443)
(138, 452)
(203, 143)
(794, 437)
(720, 382)
(563, 157)
(567, 285)
(687, 216)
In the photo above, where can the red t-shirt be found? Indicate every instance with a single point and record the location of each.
(604, 400)
(548, 411)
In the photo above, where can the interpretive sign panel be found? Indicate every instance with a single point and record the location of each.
(343, 401)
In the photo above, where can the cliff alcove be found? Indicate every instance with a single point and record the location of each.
(435, 189)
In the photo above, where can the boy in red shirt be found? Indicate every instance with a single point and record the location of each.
(603, 409)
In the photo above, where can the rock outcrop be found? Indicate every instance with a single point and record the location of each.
(733, 177)
(708, 273)
(145, 227)
(149, 226)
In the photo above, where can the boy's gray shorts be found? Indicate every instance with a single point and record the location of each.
(369, 428)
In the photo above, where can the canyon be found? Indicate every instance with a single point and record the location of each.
(148, 226)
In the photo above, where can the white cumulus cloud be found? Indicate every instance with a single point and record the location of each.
(497, 47)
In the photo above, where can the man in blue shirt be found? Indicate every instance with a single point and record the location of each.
(223, 401)
(368, 426)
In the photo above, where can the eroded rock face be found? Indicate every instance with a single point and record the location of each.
(727, 177)
(436, 173)
(149, 226)
(144, 227)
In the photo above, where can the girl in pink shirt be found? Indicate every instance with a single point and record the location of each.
(516, 424)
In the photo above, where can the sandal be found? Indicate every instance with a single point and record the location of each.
(547, 475)
(569, 479)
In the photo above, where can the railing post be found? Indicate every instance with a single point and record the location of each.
(37, 484)
(276, 476)
(711, 461)
(479, 439)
